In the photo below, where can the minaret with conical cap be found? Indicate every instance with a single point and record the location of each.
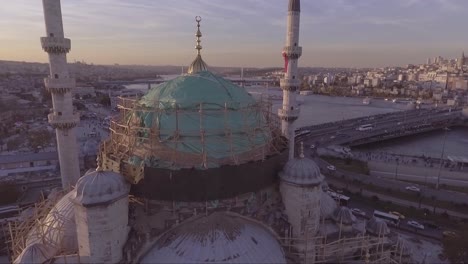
(59, 84)
(198, 64)
(290, 83)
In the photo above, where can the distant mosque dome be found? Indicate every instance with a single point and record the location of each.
(35, 254)
(91, 147)
(301, 171)
(217, 238)
(100, 187)
(328, 205)
(377, 227)
(343, 215)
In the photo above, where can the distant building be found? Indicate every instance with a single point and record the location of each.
(23, 163)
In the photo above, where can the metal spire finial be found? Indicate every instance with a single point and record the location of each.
(198, 65)
(302, 150)
(198, 47)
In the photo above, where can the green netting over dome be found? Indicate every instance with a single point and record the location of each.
(189, 91)
(197, 120)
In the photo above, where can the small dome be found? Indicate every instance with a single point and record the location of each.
(301, 171)
(217, 238)
(344, 216)
(35, 253)
(198, 65)
(403, 247)
(100, 187)
(91, 147)
(327, 205)
(58, 229)
(377, 227)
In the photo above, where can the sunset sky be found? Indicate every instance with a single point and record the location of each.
(337, 33)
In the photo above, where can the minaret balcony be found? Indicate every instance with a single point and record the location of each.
(63, 122)
(292, 52)
(55, 45)
(288, 114)
(61, 85)
(290, 84)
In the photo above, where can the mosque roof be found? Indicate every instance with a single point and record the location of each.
(217, 238)
(377, 227)
(91, 147)
(203, 113)
(34, 253)
(301, 171)
(57, 230)
(344, 216)
(327, 205)
(100, 187)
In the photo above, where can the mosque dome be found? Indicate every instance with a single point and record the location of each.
(57, 230)
(327, 205)
(377, 227)
(301, 171)
(91, 147)
(100, 187)
(217, 238)
(344, 216)
(35, 253)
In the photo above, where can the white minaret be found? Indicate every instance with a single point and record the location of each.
(290, 83)
(59, 83)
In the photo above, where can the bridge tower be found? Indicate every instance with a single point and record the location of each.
(290, 82)
(59, 84)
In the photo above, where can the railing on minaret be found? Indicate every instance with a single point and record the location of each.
(59, 84)
(290, 83)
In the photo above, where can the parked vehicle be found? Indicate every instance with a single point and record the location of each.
(397, 214)
(415, 225)
(357, 211)
(331, 167)
(412, 188)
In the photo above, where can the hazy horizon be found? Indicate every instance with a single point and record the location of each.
(247, 33)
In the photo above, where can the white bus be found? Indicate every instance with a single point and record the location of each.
(365, 127)
(389, 218)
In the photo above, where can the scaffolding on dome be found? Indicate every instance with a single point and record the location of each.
(20, 231)
(171, 135)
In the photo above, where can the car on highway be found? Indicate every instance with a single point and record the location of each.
(449, 234)
(415, 225)
(331, 167)
(401, 216)
(358, 212)
(412, 188)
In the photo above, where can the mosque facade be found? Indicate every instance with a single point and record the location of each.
(198, 171)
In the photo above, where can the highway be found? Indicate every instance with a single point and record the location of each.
(343, 132)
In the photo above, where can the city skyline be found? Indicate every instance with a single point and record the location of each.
(335, 33)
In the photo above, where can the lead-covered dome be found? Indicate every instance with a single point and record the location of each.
(35, 253)
(100, 187)
(57, 231)
(377, 227)
(217, 238)
(301, 171)
(343, 215)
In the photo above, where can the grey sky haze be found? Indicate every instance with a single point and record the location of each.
(337, 33)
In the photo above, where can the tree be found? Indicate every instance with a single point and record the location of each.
(456, 246)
